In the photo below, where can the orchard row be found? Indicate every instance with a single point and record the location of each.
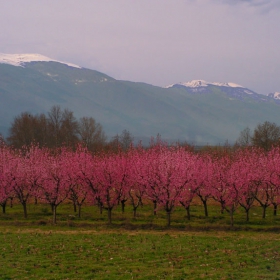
(168, 177)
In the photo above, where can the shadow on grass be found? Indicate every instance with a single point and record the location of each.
(127, 226)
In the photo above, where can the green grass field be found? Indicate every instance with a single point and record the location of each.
(141, 248)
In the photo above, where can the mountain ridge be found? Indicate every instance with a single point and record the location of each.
(212, 114)
(21, 59)
(203, 83)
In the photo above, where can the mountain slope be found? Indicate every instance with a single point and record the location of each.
(200, 114)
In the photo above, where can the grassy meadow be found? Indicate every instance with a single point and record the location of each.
(138, 248)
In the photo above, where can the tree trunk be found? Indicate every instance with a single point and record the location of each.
(100, 206)
(24, 209)
(247, 215)
(134, 211)
(75, 207)
(168, 218)
(155, 207)
(123, 204)
(54, 213)
(204, 201)
(264, 211)
(3, 207)
(141, 202)
(188, 212)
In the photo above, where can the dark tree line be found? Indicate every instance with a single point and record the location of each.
(59, 127)
(266, 135)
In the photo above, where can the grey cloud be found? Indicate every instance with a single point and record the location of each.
(264, 5)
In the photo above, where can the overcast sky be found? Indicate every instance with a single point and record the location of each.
(159, 42)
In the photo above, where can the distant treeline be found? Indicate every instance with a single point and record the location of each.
(60, 128)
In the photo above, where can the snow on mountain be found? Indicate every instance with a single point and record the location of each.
(202, 83)
(275, 95)
(21, 59)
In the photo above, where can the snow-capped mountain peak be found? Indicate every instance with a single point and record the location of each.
(21, 59)
(202, 83)
(275, 95)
